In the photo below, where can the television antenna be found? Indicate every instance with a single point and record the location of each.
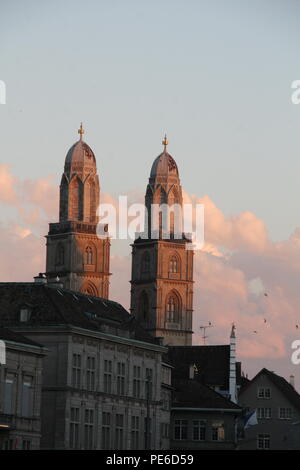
(203, 329)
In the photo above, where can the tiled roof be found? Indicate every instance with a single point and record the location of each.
(9, 335)
(52, 306)
(192, 394)
(283, 385)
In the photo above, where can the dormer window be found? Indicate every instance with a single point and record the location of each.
(25, 314)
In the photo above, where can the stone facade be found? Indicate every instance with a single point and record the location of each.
(20, 393)
(77, 248)
(162, 264)
(95, 392)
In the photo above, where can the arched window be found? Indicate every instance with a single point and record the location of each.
(172, 308)
(146, 262)
(76, 199)
(60, 255)
(90, 289)
(88, 255)
(174, 264)
(144, 306)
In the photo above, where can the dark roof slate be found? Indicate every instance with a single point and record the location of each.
(51, 306)
(192, 394)
(8, 335)
(212, 363)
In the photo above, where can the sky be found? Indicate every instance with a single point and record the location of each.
(216, 77)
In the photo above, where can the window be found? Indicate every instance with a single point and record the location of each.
(8, 394)
(165, 430)
(107, 376)
(74, 428)
(136, 381)
(165, 401)
(144, 306)
(263, 441)
(25, 314)
(90, 373)
(173, 264)
(146, 262)
(9, 444)
(149, 384)
(135, 432)
(199, 430)
(166, 375)
(106, 419)
(147, 432)
(27, 396)
(172, 309)
(180, 429)
(60, 255)
(76, 370)
(26, 444)
(263, 392)
(285, 413)
(88, 429)
(217, 431)
(264, 413)
(119, 444)
(88, 255)
(121, 378)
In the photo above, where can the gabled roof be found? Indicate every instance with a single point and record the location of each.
(11, 336)
(212, 363)
(283, 385)
(192, 394)
(51, 306)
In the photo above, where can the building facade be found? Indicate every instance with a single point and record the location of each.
(162, 259)
(20, 392)
(202, 419)
(78, 249)
(277, 406)
(104, 377)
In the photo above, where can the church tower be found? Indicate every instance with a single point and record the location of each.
(75, 253)
(162, 259)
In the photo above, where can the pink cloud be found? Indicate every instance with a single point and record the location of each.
(237, 250)
(7, 185)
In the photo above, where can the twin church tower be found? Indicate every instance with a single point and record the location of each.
(162, 267)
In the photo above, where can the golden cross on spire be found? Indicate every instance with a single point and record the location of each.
(165, 142)
(81, 131)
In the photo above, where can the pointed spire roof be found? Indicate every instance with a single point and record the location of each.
(80, 154)
(164, 164)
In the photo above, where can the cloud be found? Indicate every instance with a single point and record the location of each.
(243, 231)
(22, 253)
(237, 266)
(8, 182)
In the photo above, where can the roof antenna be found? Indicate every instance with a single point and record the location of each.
(203, 328)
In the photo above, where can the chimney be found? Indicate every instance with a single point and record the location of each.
(292, 380)
(232, 366)
(40, 279)
(55, 283)
(193, 369)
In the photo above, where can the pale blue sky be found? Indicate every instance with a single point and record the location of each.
(214, 75)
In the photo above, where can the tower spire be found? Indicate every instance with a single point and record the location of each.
(165, 142)
(81, 131)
